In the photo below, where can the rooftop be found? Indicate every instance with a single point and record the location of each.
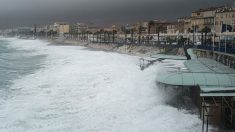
(207, 9)
(213, 78)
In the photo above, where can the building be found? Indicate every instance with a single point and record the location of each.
(61, 27)
(203, 18)
(157, 26)
(24, 30)
(78, 28)
(42, 29)
(213, 18)
(82, 27)
(141, 27)
(110, 29)
(225, 17)
(93, 29)
(73, 28)
(64, 28)
(234, 5)
(225, 26)
(51, 27)
(175, 28)
(186, 23)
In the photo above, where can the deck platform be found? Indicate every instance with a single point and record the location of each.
(211, 85)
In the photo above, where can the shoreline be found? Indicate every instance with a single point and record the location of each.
(136, 50)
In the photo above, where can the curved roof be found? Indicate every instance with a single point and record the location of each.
(214, 78)
(194, 79)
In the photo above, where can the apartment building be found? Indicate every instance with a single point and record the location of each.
(61, 27)
(156, 26)
(174, 28)
(225, 17)
(78, 28)
(203, 18)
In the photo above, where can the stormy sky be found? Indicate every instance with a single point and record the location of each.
(28, 12)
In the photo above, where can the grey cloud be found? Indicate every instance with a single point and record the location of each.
(28, 12)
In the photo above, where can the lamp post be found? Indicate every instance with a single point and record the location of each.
(214, 36)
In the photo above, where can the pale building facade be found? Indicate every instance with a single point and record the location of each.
(175, 28)
(156, 26)
(61, 27)
(64, 28)
(227, 17)
(203, 18)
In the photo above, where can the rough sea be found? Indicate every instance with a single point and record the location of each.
(48, 88)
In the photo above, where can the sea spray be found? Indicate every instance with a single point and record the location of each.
(82, 90)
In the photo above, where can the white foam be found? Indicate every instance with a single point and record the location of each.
(80, 90)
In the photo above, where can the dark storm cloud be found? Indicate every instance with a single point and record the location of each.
(28, 12)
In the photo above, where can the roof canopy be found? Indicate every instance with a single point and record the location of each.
(214, 78)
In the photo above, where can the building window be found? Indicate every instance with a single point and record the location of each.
(233, 23)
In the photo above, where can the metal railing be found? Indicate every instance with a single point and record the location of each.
(224, 49)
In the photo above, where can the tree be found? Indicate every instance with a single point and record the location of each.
(132, 35)
(101, 32)
(114, 32)
(206, 30)
(97, 36)
(150, 23)
(139, 33)
(195, 28)
(159, 29)
(182, 41)
(169, 40)
(189, 30)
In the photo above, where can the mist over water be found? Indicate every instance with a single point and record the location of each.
(70, 89)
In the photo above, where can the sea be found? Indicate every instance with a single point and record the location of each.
(51, 88)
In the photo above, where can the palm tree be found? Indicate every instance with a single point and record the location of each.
(169, 40)
(150, 23)
(132, 35)
(125, 35)
(87, 35)
(159, 29)
(97, 36)
(182, 41)
(101, 32)
(114, 32)
(189, 30)
(206, 30)
(105, 32)
(140, 29)
(108, 32)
